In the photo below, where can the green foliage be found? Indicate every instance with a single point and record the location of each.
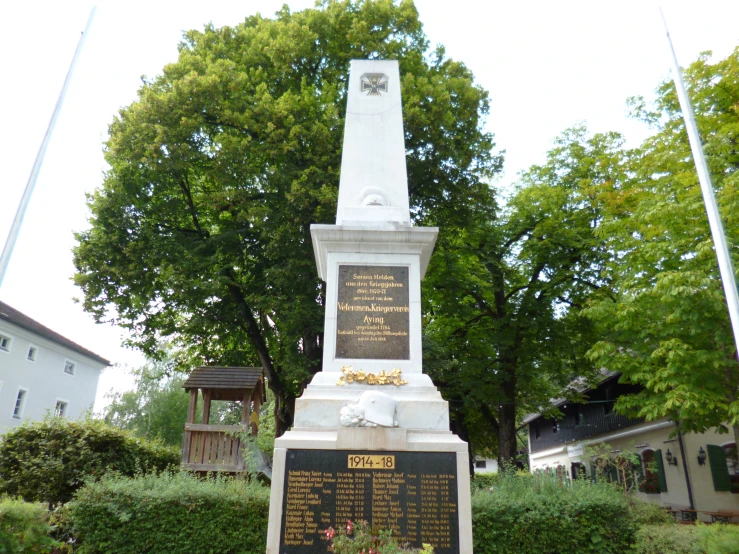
(47, 461)
(359, 538)
(645, 513)
(165, 513)
(200, 231)
(531, 516)
(667, 539)
(24, 528)
(502, 298)
(719, 538)
(484, 481)
(155, 409)
(667, 328)
(687, 539)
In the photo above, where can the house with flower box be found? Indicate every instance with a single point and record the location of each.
(690, 471)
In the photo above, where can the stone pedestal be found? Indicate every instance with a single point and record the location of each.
(382, 441)
(410, 474)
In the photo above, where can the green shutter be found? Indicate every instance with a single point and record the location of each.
(660, 470)
(593, 473)
(719, 470)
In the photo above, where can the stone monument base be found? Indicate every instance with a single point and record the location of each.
(323, 476)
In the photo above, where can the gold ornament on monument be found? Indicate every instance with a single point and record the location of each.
(392, 377)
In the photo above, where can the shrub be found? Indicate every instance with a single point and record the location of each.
(667, 539)
(24, 528)
(161, 514)
(541, 516)
(47, 461)
(719, 539)
(484, 481)
(644, 513)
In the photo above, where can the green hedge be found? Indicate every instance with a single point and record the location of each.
(47, 461)
(24, 528)
(161, 514)
(524, 516)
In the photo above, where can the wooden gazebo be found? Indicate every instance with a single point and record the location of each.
(208, 447)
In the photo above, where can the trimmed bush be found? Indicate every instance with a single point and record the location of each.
(484, 481)
(161, 514)
(719, 538)
(24, 528)
(667, 539)
(523, 516)
(47, 461)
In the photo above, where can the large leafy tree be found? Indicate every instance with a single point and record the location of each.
(200, 232)
(503, 296)
(669, 329)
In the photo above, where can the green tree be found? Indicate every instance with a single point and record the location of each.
(201, 230)
(503, 297)
(669, 329)
(155, 408)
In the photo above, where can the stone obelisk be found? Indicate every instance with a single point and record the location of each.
(371, 437)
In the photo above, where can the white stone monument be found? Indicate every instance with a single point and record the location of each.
(363, 424)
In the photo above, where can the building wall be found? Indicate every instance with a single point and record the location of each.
(44, 379)
(654, 436)
(491, 465)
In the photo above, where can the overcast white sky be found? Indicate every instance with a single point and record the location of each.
(547, 65)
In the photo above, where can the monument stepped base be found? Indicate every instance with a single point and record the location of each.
(419, 404)
(363, 439)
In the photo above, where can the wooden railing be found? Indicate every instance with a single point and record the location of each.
(212, 448)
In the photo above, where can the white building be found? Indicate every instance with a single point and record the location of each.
(694, 473)
(42, 372)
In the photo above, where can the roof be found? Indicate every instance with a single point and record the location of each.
(11, 315)
(219, 377)
(578, 385)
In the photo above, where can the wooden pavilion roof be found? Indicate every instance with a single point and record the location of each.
(225, 378)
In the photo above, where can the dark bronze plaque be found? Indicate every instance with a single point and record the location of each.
(412, 493)
(373, 315)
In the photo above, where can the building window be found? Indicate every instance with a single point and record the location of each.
(5, 343)
(578, 470)
(610, 400)
(69, 367)
(481, 464)
(653, 470)
(61, 408)
(732, 465)
(555, 428)
(20, 402)
(579, 416)
(31, 357)
(724, 464)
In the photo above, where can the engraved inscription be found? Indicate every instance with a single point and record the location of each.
(412, 493)
(373, 313)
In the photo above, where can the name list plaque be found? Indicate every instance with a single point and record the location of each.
(412, 493)
(372, 317)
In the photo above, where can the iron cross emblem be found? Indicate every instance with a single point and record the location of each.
(373, 83)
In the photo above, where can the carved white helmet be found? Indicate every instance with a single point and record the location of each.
(378, 408)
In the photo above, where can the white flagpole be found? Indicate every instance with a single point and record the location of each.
(714, 218)
(31, 184)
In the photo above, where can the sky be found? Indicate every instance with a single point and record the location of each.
(547, 66)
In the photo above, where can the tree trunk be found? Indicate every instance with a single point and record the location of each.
(507, 444)
(284, 412)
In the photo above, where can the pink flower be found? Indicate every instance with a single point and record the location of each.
(349, 527)
(330, 533)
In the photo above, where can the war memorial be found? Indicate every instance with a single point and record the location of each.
(371, 438)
